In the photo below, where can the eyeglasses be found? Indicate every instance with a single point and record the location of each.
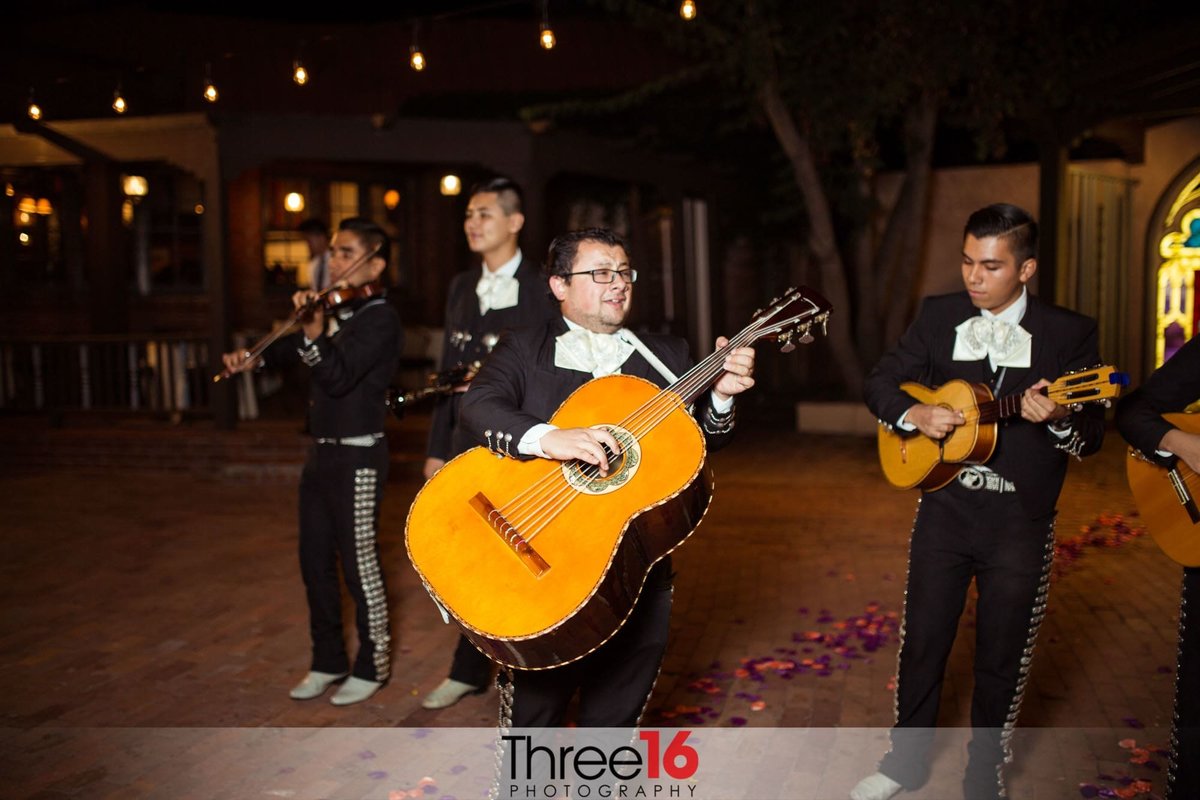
(609, 275)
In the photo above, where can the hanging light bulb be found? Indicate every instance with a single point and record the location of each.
(34, 110)
(299, 73)
(687, 9)
(118, 104)
(546, 38)
(210, 88)
(416, 59)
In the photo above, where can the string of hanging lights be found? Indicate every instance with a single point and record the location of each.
(418, 61)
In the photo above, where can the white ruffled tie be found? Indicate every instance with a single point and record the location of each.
(496, 291)
(1002, 343)
(586, 351)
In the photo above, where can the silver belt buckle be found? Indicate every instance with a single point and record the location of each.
(971, 478)
(977, 479)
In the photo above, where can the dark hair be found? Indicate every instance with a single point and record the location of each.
(1014, 224)
(313, 225)
(560, 260)
(508, 193)
(371, 235)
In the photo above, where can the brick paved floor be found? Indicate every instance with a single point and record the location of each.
(161, 598)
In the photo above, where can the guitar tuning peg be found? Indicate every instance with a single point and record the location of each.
(789, 347)
(807, 338)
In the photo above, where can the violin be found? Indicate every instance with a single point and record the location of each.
(338, 295)
(328, 299)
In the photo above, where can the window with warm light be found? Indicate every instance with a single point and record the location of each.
(1178, 317)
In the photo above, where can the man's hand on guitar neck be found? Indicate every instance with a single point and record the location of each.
(1036, 407)
(1183, 444)
(936, 422)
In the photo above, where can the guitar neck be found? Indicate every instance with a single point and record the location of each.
(700, 377)
(1000, 408)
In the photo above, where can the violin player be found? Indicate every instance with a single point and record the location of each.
(350, 339)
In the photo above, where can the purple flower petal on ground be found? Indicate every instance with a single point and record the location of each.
(1088, 790)
(366, 754)
(1164, 670)
(457, 769)
(429, 788)
(1133, 722)
(376, 775)
(737, 722)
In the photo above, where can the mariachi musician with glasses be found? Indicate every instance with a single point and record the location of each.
(507, 407)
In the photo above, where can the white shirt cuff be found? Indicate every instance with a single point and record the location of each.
(721, 406)
(530, 444)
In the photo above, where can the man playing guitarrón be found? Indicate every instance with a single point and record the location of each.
(526, 378)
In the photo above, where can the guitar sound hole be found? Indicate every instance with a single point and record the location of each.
(621, 466)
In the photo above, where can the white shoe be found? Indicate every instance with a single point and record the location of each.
(354, 690)
(875, 787)
(314, 685)
(447, 693)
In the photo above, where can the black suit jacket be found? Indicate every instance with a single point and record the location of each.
(1173, 387)
(534, 306)
(1063, 341)
(519, 386)
(350, 370)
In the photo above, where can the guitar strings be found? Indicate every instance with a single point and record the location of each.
(534, 508)
(639, 423)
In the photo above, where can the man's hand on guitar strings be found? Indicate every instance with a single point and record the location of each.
(936, 422)
(1036, 407)
(582, 444)
(739, 369)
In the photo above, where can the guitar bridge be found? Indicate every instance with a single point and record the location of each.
(509, 535)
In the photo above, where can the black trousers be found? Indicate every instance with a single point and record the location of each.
(614, 682)
(960, 535)
(1183, 776)
(340, 490)
(469, 665)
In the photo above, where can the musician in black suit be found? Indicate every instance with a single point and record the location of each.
(1172, 388)
(351, 354)
(505, 292)
(529, 374)
(993, 523)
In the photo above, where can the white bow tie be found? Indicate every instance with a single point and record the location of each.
(598, 353)
(496, 291)
(1003, 343)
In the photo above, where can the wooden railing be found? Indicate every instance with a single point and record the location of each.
(137, 373)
